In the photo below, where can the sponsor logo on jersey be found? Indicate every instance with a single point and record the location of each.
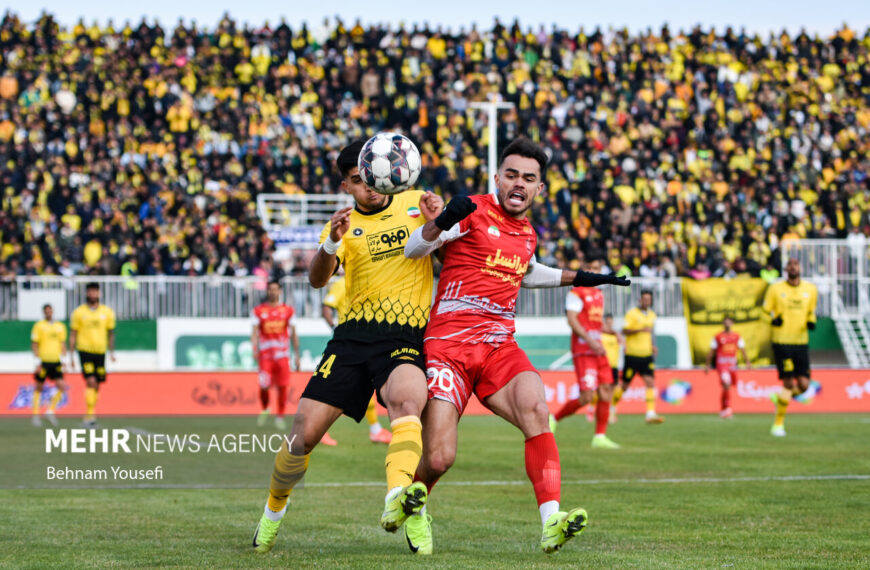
(385, 216)
(414, 212)
(493, 231)
(387, 241)
(495, 215)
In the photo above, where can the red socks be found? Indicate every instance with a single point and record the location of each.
(602, 416)
(282, 400)
(542, 467)
(568, 409)
(264, 398)
(726, 399)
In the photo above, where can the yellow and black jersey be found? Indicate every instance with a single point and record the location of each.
(388, 295)
(92, 328)
(796, 305)
(49, 338)
(641, 343)
(610, 342)
(336, 296)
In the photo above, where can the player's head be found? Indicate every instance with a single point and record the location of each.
(92, 293)
(646, 299)
(352, 183)
(608, 319)
(594, 262)
(793, 268)
(520, 176)
(48, 311)
(273, 291)
(728, 322)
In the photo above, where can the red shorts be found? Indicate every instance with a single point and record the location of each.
(274, 372)
(456, 370)
(727, 376)
(592, 370)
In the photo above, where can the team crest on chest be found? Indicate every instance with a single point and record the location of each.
(357, 232)
(493, 231)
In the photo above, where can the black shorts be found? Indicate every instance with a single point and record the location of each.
(637, 365)
(93, 365)
(49, 371)
(615, 372)
(792, 360)
(350, 370)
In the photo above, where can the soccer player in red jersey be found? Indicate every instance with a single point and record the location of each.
(469, 343)
(273, 330)
(584, 308)
(724, 347)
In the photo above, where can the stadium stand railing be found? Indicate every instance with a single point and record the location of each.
(161, 296)
(294, 221)
(841, 271)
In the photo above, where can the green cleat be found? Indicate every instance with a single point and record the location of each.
(777, 431)
(418, 533)
(280, 424)
(402, 503)
(265, 534)
(553, 423)
(561, 527)
(262, 418)
(601, 441)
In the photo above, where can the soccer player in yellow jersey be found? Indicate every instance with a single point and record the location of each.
(640, 352)
(791, 306)
(332, 307)
(376, 346)
(92, 333)
(47, 340)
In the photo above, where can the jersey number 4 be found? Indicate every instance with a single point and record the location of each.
(326, 368)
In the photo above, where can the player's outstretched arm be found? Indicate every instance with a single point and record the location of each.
(540, 276)
(325, 261)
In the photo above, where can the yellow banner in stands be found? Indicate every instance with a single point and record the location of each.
(707, 302)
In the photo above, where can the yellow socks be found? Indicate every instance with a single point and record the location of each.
(289, 470)
(781, 407)
(37, 398)
(55, 400)
(617, 394)
(594, 398)
(404, 451)
(650, 400)
(90, 402)
(372, 413)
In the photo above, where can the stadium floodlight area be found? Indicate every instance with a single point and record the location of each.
(295, 221)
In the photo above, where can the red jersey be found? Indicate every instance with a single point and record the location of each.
(483, 269)
(588, 303)
(726, 345)
(273, 323)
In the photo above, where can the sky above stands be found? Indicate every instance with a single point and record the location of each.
(759, 16)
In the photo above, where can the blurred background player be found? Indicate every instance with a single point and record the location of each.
(274, 328)
(470, 346)
(332, 304)
(791, 306)
(47, 340)
(640, 353)
(724, 348)
(377, 345)
(92, 333)
(584, 309)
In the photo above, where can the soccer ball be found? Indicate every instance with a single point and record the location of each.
(389, 163)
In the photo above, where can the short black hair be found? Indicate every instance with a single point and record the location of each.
(46, 306)
(275, 281)
(646, 292)
(608, 315)
(595, 255)
(92, 285)
(348, 158)
(522, 146)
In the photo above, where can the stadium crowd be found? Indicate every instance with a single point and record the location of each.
(140, 150)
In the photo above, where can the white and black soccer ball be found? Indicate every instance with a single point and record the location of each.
(389, 163)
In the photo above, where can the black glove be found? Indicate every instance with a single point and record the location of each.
(777, 322)
(811, 325)
(454, 212)
(586, 279)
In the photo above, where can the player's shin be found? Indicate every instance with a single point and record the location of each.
(568, 409)
(617, 394)
(288, 471)
(404, 451)
(37, 399)
(602, 416)
(282, 401)
(545, 472)
(90, 403)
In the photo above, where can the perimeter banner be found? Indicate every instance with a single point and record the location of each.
(707, 302)
(236, 393)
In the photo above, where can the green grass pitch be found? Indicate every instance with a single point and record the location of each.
(695, 492)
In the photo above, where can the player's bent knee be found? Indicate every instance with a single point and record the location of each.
(440, 460)
(586, 397)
